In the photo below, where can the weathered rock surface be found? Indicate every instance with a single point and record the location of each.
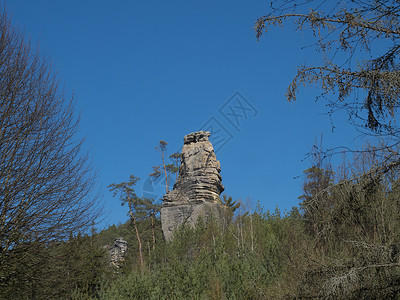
(117, 251)
(196, 192)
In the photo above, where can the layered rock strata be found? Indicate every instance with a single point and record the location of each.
(196, 192)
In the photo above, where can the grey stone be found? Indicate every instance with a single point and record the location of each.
(196, 192)
(117, 251)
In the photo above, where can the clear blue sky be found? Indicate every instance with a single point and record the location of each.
(144, 71)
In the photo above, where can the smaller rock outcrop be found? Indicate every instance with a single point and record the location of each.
(196, 192)
(117, 252)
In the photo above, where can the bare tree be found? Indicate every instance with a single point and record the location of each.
(358, 43)
(46, 180)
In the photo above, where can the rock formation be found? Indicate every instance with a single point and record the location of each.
(196, 192)
(117, 251)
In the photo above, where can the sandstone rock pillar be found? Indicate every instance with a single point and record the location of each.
(196, 192)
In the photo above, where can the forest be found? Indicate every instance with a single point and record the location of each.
(342, 241)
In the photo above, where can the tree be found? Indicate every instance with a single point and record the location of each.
(316, 201)
(164, 168)
(46, 180)
(152, 209)
(162, 147)
(359, 45)
(136, 206)
(355, 253)
(140, 209)
(231, 206)
(174, 167)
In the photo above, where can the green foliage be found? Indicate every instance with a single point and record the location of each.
(316, 199)
(354, 252)
(166, 169)
(156, 172)
(257, 255)
(139, 208)
(343, 242)
(53, 271)
(231, 205)
(201, 263)
(174, 167)
(127, 193)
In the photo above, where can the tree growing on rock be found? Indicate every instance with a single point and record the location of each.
(166, 169)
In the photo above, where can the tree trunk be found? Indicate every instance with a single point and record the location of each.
(165, 172)
(152, 229)
(138, 238)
